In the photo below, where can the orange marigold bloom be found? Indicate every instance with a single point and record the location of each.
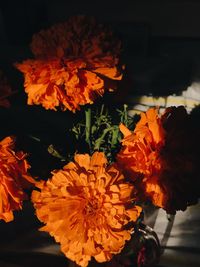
(88, 208)
(159, 158)
(139, 155)
(78, 37)
(65, 83)
(13, 179)
(74, 63)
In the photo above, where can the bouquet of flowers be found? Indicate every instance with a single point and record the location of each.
(91, 187)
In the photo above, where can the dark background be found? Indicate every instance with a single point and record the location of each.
(161, 49)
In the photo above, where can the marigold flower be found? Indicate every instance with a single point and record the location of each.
(159, 158)
(78, 37)
(64, 83)
(139, 155)
(180, 172)
(75, 62)
(13, 179)
(88, 208)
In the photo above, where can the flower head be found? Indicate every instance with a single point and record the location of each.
(74, 63)
(159, 157)
(139, 155)
(78, 37)
(65, 83)
(13, 179)
(87, 207)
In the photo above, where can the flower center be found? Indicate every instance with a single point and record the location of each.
(91, 207)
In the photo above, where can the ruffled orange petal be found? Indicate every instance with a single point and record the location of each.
(84, 206)
(14, 178)
(65, 83)
(76, 62)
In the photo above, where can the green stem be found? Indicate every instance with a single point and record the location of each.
(88, 127)
(125, 115)
(102, 109)
(98, 142)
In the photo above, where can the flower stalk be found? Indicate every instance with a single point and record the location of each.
(88, 127)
